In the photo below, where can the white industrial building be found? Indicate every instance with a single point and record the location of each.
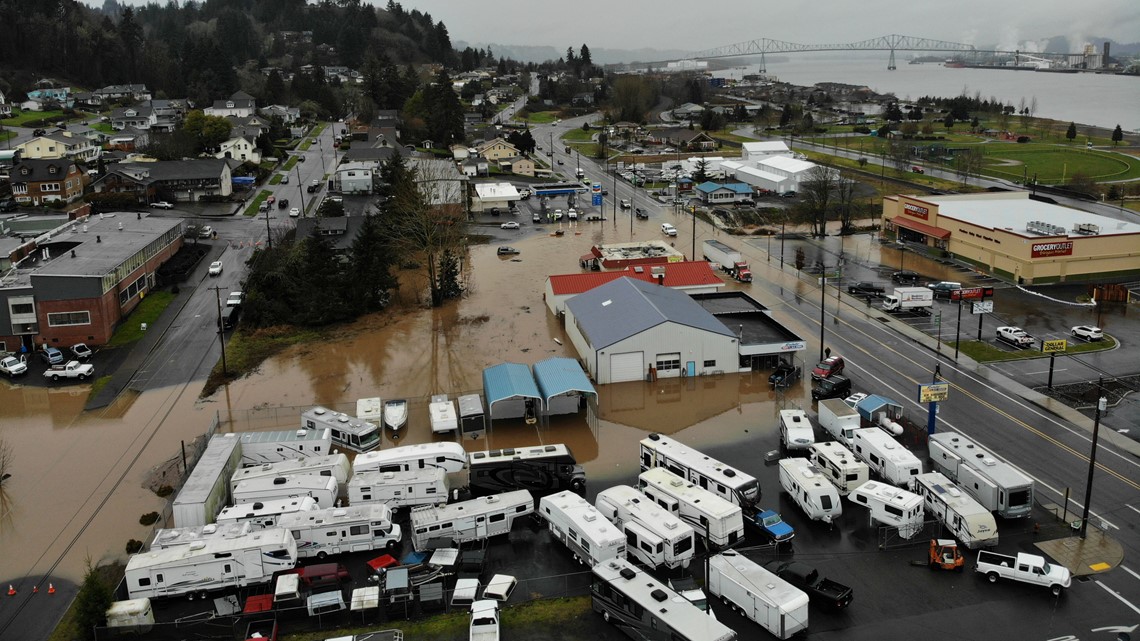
(762, 149)
(355, 178)
(491, 195)
(778, 173)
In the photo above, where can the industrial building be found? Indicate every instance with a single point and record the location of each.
(691, 277)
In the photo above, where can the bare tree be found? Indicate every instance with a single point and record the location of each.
(967, 163)
(899, 152)
(427, 212)
(845, 195)
(817, 194)
(7, 458)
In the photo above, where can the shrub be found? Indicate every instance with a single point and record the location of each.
(134, 545)
(164, 491)
(148, 518)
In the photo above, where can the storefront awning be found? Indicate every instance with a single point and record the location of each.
(922, 228)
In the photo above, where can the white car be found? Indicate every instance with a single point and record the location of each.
(557, 214)
(234, 299)
(1087, 332)
(216, 268)
(162, 204)
(572, 214)
(206, 232)
(294, 212)
(510, 225)
(668, 230)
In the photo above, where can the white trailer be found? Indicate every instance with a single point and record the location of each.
(211, 564)
(451, 457)
(176, 536)
(266, 514)
(259, 448)
(323, 489)
(338, 530)
(808, 487)
(883, 454)
(473, 520)
(891, 506)
(706, 472)
(654, 537)
(761, 596)
(997, 485)
(965, 518)
(839, 419)
(207, 488)
(371, 410)
(345, 431)
(441, 410)
(716, 519)
(413, 488)
(839, 465)
(332, 465)
(795, 430)
(590, 537)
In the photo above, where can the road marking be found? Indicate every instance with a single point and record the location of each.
(1122, 599)
(1128, 570)
(1045, 371)
(1132, 508)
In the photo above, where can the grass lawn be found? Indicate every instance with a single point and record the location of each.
(1054, 164)
(147, 312)
(19, 119)
(984, 352)
(289, 164)
(251, 209)
(104, 127)
(541, 117)
(275, 179)
(246, 350)
(578, 135)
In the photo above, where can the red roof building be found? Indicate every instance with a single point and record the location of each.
(692, 277)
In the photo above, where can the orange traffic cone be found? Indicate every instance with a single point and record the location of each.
(11, 590)
(51, 589)
(35, 589)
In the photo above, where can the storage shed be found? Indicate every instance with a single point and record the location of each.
(563, 385)
(510, 391)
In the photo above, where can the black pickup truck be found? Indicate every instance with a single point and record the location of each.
(865, 288)
(821, 590)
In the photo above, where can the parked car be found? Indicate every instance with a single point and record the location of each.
(943, 289)
(784, 375)
(235, 298)
(216, 268)
(788, 194)
(560, 162)
(162, 204)
(772, 526)
(283, 203)
(205, 232)
(828, 367)
(865, 287)
(507, 251)
(916, 169)
(13, 366)
(284, 179)
(8, 205)
(1087, 332)
(831, 387)
(294, 212)
(624, 203)
(905, 277)
(509, 225)
(536, 217)
(641, 214)
(1015, 336)
(668, 229)
(271, 199)
(51, 356)
(81, 351)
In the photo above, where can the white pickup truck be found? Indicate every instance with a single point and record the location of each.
(73, 369)
(1015, 336)
(1027, 568)
(484, 621)
(13, 366)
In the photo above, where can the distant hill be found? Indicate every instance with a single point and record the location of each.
(542, 53)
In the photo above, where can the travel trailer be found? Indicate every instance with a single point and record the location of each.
(707, 473)
(810, 490)
(338, 530)
(795, 430)
(890, 506)
(997, 485)
(839, 465)
(441, 411)
(590, 537)
(966, 519)
(654, 537)
(451, 457)
(413, 488)
(323, 489)
(346, 431)
(716, 519)
(473, 520)
(259, 448)
(882, 453)
(265, 514)
(543, 469)
(335, 466)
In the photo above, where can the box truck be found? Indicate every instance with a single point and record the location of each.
(909, 299)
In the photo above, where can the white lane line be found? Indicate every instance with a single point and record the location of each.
(1132, 508)
(1045, 371)
(1128, 570)
(1122, 599)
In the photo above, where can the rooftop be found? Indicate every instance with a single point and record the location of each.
(613, 254)
(97, 245)
(678, 275)
(1012, 211)
(745, 317)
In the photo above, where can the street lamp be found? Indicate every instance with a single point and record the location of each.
(1101, 405)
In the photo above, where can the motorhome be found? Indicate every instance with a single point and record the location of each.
(839, 465)
(413, 488)
(590, 537)
(654, 537)
(994, 483)
(211, 564)
(968, 521)
(338, 530)
(441, 411)
(323, 489)
(265, 514)
(883, 454)
(648, 610)
(543, 469)
(795, 430)
(810, 490)
(259, 448)
(473, 520)
(181, 536)
(720, 522)
(891, 506)
(346, 431)
(707, 473)
(451, 457)
(332, 465)
(764, 598)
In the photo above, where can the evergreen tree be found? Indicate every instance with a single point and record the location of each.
(444, 116)
(1072, 132)
(91, 603)
(370, 278)
(1117, 135)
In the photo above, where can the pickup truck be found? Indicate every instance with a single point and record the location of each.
(823, 591)
(1027, 568)
(12, 366)
(1015, 336)
(772, 526)
(73, 369)
(484, 621)
(866, 288)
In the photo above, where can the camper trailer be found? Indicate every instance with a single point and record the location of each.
(451, 457)
(259, 448)
(132, 613)
(997, 485)
(175, 536)
(332, 465)
(472, 422)
(764, 598)
(323, 489)
(705, 472)
(883, 454)
(590, 537)
(265, 514)
(337, 530)
(206, 490)
(839, 420)
(346, 431)
(808, 487)
(441, 411)
(795, 430)
(371, 410)
(720, 522)
(211, 564)
(543, 469)
(890, 506)
(473, 520)
(966, 519)
(654, 537)
(413, 488)
(839, 465)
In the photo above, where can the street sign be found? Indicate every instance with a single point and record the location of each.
(933, 392)
(1050, 347)
(984, 307)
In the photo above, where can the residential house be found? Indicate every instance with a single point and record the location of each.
(688, 111)
(174, 180)
(686, 139)
(168, 114)
(137, 93)
(584, 99)
(374, 156)
(460, 152)
(386, 118)
(355, 178)
(288, 115)
(439, 181)
(241, 148)
(341, 231)
(472, 118)
(38, 182)
(249, 126)
(137, 117)
(48, 98)
(475, 166)
(241, 105)
(62, 144)
(497, 149)
(129, 140)
(519, 165)
(5, 108)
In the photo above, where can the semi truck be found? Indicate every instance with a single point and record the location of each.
(919, 300)
(730, 260)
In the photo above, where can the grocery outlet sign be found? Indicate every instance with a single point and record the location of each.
(1042, 250)
(916, 211)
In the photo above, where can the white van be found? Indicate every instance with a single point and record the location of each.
(668, 229)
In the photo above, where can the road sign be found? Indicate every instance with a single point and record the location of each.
(984, 307)
(1050, 347)
(933, 392)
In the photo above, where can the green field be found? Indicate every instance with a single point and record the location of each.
(1053, 164)
(19, 119)
(251, 209)
(541, 117)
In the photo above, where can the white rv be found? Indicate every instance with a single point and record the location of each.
(259, 448)
(211, 564)
(323, 489)
(839, 465)
(451, 457)
(795, 430)
(653, 536)
(716, 519)
(473, 520)
(883, 454)
(441, 410)
(337, 530)
(808, 487)
(176, 536)
(707, 473)
(346, 431)
(590, 537)
(400, 489)
(206, 490)
(774, 604)
(265, 514)
(891, 506)
(965, 518)
(331, 465)
(371, 410)
(997, 485)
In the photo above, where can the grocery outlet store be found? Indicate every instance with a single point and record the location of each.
(1012, 236)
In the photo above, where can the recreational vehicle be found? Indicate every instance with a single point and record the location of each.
(645, 609)
(451, 457)
(473, 520)
(544, 469)
(720, 522)
(707, 473)
(795, 430)
(265, 514)
(882, 453)
(206, 490)
(590, 537)
(654, 537)
(399, 489)
(472, 421)
(965, 518)
(808, 487)
(771, 602)
(997, 485)
(370, 410)
(176, 536)
(353, 433)
(337, 530)
(211, 564)
(839, 465)
(890, 506)
(259, 448)
(323, 489)
(441, 411)
(332, 465)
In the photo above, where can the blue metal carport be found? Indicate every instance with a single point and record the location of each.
(563, 385)
(509, 387)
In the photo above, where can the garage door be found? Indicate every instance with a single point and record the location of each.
(629, 366)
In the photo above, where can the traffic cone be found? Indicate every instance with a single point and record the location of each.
(35, 589)
(11, 590)
(51, 589)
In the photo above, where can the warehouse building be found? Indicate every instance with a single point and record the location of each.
(691, 277)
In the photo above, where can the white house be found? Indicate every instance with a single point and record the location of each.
(492, 195)
(137, 117)
(241, 105)
(355, 178)
(241, 148)
(288, 115)
(5, 108)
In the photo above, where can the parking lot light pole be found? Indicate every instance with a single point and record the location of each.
(1101, 405)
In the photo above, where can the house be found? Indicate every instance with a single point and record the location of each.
(475, 166)
(60, 144)
(172, 180)
(243, 148)
(472, 118)
(386, 119)
(497, 149)
(584, 99)
(249, 126)
(5, 108)
(459, 152)
(715, 194)
(129, 140)
(168, 114)
(47, 98)
(374, 156)
(288, 115)
(136, 93)
(341, 231)
(87, 100)
(439, 181)
(518, 165)
(691, 277)
(355, 178)
(686, 139)
(38, 182)
(241, 105)
(137, 117)
(688, 111)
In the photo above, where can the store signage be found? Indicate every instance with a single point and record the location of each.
(971, 293)
(1054, 346)
(933, 392)
(916, 211)
(1041, 250)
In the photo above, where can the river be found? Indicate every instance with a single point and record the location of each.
(1091, 99)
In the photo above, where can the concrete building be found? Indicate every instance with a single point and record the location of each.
(691, 277)
(763, 340)
(491, 195)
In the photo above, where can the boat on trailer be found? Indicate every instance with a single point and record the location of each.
(395, 413)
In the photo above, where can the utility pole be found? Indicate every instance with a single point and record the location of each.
(822, 309)
(221, 330)
(1101, 405)
(300, 189)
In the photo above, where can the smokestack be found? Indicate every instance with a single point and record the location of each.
(1107, 55)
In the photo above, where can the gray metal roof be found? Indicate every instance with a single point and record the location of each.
(625, 307)
(559, 375)
(508, 380)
